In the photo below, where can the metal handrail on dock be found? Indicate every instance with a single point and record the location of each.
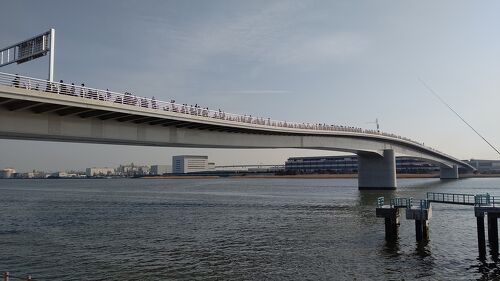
(380, 202)
(451, 198)
(485, 200)
(424, 204)
(399, 202)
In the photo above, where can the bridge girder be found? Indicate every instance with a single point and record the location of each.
(58, 113)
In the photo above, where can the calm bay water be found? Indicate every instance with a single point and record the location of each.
(231, 229)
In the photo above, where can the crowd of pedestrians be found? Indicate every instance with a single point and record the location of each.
(197, 110)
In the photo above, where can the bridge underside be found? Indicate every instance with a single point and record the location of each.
(73, 119)
(103, 115)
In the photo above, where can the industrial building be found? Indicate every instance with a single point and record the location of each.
(349, 164)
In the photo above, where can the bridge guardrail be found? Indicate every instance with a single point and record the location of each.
(126, 98)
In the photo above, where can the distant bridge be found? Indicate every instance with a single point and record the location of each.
(34, 109)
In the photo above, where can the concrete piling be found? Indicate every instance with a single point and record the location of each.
(481, 241)
(421, 214)
(418, 230)
(391, 216)
(493, 233)
(421, 230)
(391, 227)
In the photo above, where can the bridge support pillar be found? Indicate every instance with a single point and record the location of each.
(377, 172)
(449, 173)
(481, 241)
(493, 233)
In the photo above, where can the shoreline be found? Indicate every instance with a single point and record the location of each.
(271, 176)
(314, 176)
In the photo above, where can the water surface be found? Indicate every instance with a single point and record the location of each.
(231, 229)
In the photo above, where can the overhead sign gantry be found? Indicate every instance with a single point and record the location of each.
(30, 49)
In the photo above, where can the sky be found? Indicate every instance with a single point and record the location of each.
(335, 62)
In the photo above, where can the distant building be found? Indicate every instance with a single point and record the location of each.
(99, 172)
(183, 164)
(349, 164)
(57, 175)
(158, 170)
(337, 164)
(29, 175)
(274, 169)
(7, 173)
(211, 166)
(132, 170)
(485, 166)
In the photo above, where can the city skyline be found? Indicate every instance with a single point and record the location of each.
(298, 61)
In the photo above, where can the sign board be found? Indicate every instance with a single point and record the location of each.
(31, 49)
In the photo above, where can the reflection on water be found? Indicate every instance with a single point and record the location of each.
(369, 198)
(423, 249)
(488, 270)
(228, 229)
(391, 249)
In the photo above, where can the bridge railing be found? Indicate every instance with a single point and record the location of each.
(452, 198)
(159, 106)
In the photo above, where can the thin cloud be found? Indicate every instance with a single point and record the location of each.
(322, 49)
(251, 92)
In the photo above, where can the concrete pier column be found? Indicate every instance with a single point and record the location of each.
(449, 173)
(391, 226)
(418, 230)
(493, 233)
(421, 230)
(425, 230)
(377, 172)
(391, 217)
(391, 230)
(481, 241)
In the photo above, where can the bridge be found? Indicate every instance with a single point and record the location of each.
(35, 109)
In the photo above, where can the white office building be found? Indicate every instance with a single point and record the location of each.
(183, 164)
